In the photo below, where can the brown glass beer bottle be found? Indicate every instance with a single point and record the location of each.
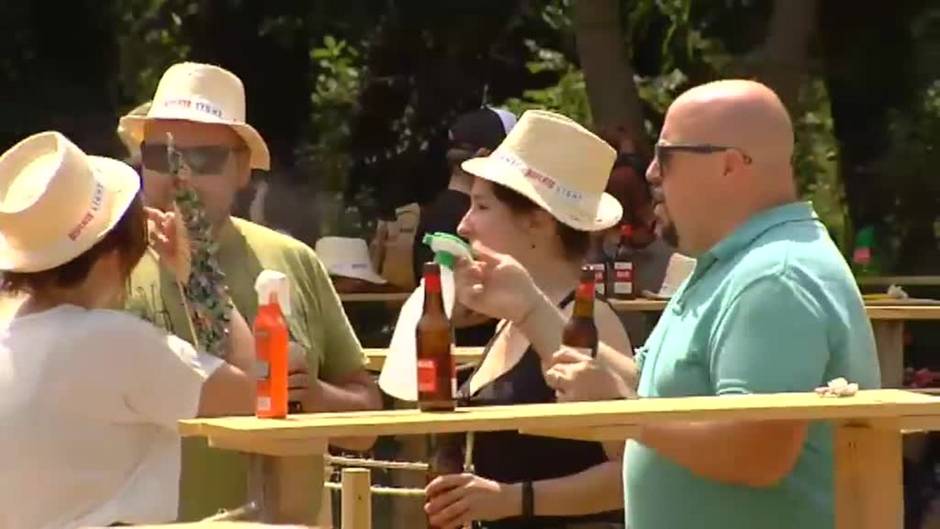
(624, 267)
(437, 381)
(580, 332)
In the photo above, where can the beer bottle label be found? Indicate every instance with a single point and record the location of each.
(623, 277)
(600, 285)
(453, 377)
(427, 375)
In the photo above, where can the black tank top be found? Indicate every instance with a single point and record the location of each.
(511, 457)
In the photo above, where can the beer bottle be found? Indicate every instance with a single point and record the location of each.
(580, 331)
(446, 458)
(437, 378)
(597, 261)
(624, 267)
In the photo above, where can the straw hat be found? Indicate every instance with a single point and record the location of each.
(346, 257)
(559, 165)
(202, 93)
(56, 202)
(131, 144)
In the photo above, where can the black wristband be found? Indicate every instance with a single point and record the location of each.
(528, 500)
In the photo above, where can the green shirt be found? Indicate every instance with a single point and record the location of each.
(771, 308)
(213, 479)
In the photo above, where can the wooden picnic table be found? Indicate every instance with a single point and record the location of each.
(887, 281)
(462, 355)
(374, 297)
(887, 322)
(867, 439)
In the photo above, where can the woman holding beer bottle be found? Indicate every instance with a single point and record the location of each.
(536, 198)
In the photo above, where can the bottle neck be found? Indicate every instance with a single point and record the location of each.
(269, 309)
(584, 301)
(433, 299)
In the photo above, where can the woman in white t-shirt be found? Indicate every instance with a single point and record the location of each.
(90, 397)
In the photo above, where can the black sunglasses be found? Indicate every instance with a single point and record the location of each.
(663, 150)
(203, 159)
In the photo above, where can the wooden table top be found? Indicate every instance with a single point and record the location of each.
(903, 281)
(609, 420)
(376, 356)
(365, 297)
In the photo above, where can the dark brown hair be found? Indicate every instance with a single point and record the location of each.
(574, 242)
(128, 237)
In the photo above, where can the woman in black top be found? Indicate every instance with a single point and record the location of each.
(570, 483)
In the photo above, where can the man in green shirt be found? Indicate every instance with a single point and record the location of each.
(202, 106)
(771, 307)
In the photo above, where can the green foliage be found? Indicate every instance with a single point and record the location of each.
(153, 39)
(335, 99)
(335, 96)
(816, 162)
(568, 96)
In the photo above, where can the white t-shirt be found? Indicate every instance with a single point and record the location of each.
(89, 401)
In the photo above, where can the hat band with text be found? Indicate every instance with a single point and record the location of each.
(197, 104)
(543, 180)
(97, 198)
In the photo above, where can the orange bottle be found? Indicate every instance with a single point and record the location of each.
(271, 344)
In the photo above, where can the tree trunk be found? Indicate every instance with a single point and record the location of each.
(607, 73)
(782, 61)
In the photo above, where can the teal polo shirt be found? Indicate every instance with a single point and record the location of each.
(771, 308)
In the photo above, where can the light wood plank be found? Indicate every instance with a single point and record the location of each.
(462, 355)
(889, 341)
(594, 433)
(356, 499)
(371, 297)
(903, 312)
(638, 305)
(868, 478)
(885, 403)
(270, 447)
(887, 281)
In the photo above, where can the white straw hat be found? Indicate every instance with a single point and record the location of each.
(56, 202)
(205, 94)
(130, 143)
(346, 257)
(559, 165)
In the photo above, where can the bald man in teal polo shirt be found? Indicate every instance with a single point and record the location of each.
(771, 307)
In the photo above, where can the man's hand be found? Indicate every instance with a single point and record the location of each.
(577, 377)
(496, 285)
(298, 379)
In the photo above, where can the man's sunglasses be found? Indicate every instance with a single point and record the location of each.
(203, 159)
(663, 150)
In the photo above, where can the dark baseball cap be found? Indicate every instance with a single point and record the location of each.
(482, 128)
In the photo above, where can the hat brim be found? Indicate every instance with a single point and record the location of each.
(609, 210)
(260, 157)
(368, 276)
(120, 181)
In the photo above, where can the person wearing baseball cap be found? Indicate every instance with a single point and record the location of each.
(90, 397)
(477, 132)
(203, 107)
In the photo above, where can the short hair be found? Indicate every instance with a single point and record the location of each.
(128, 237)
